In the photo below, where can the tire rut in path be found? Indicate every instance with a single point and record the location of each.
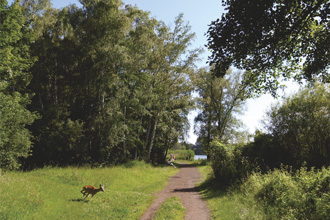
(182, 185)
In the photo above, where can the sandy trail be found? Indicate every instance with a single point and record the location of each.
(182, 185)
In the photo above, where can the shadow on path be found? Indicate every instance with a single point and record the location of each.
(193, 189)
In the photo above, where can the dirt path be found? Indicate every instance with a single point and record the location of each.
(182, 185)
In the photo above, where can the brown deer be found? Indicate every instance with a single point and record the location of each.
(88, 189)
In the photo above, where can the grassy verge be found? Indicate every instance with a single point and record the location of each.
(54, 193)
(278, 194)
(171, 209)
(226, 203)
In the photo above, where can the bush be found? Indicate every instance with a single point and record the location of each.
(286, 195)
(227, 162)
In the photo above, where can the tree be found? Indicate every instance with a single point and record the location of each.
(171, 83)
(220, 99)
(271, 39)
(82, 54)
(111, 83)
(135, 81)
(58, 134)
(15, 139)
(301, 127)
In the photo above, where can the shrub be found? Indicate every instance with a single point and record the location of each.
(227, 162)
(286, 195)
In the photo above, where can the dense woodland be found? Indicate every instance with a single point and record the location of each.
(106, 83)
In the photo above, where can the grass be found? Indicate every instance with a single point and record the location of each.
(278, 194)
(226, 203)
(54, 193)
(171, 209)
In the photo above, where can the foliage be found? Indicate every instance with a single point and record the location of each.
(271, 39)
(111, 84)
(220, 100)
(228, 164)
(172, 208)
(183, 154)
(15, 53)
(227, 202)
(301, 195)
(263, 154)
(15, 138)
(300, 127)
(52, 193)
(297, 133)
(279, 194)
(295, 138)
(197, 148)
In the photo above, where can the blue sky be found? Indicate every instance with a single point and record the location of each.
(199, 14)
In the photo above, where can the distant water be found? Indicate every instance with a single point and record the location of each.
(200, 157)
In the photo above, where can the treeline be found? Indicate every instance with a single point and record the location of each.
(104, 83)
(296, 134)
(273, 42)
(284, 172)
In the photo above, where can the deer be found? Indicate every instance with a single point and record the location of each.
(89, 189)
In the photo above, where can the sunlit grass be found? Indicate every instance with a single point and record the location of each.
(54, 193)
(171, 209)
(226, 203)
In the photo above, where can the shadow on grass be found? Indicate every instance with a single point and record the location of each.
(79, 200)
(201, 163)
(212, 188)
(186, 165)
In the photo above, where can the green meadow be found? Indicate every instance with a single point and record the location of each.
(54, 193)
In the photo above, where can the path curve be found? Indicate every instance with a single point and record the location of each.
(182, 185)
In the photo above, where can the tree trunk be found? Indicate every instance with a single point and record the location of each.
(147, 138)
(152, 137)
(124, 143)
(167, 147)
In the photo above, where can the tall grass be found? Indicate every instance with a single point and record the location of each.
(286, 195)
(279, 194)
(54, 193)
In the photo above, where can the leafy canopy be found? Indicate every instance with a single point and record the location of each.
(272, 39)
(15, 60)
(300, 127)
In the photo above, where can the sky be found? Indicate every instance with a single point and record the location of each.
(199, 14)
